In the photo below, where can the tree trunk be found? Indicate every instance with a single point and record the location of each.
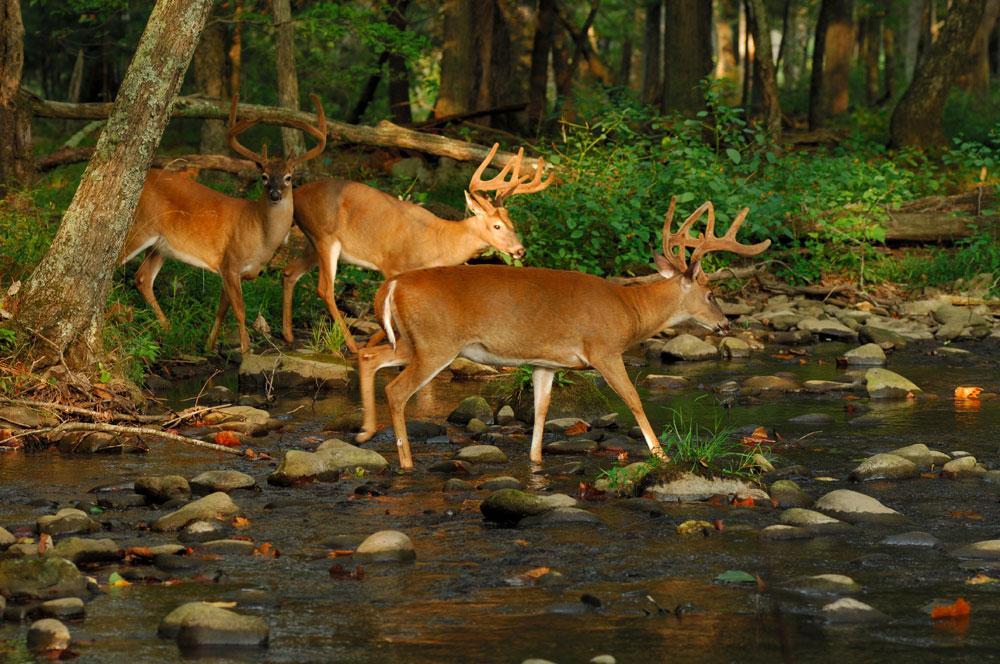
(687, 49)
(725, 52)
(538, 79)
(916, 120)
(976, 77)
(288, 80)
(209, 80)
(458, 58)
(913, 23)
(870, 41)
(757, 20)
(831, 62)
(651, 60)
(15, 118)
(236, 49)
(891, 66)
(60, 312)
(399, 75)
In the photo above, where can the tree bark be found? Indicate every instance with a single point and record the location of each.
(869, 42)
(288, 80)
(725, 52)
(458, 59)
(764, 65)
(15, 119)
(210, 80)
(975, 79)
(837, 62)
(651, 60)
(916, 120)
(60, 312)
(687, 51)
(538, 78)
(236, 49)
(399, 75)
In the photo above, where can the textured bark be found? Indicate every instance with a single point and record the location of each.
(236, 49)
(399, 75)
(61, 309)
(975, 78)
(869, 42)
(764, 66)
(916, 120)
(687, 54)
(725, 51)
(288, 80)
(820, 86)
(15, 119)
(891, 66)
(652, 81)
(538, 78)
(210, 79)
(457, 59)
(837, 63)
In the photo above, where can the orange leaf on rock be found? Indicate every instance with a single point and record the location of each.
(240, 522)
(339, 553)
(578, 428)
(747, 502)
(967, 392)
(227, 439)
(537, 572)
(957, 610)
(44, 542)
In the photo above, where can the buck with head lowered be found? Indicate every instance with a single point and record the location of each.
(363, 226)
(233, 237)
(550, 319)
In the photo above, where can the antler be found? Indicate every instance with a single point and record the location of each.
(319, 133)
(517, 184)
(237, 128)
(675, 245)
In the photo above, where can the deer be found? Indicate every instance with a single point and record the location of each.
(363, 226)
(234, 237)
(550, 319)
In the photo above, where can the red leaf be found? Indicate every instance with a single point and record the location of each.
(959, 609)
(227, 439)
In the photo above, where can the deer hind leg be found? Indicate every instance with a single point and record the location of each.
(231, 295)
(289, 277)
(541, 380)
(328, 257)
(371, 360)
(613, 370)
(144, 278)
(398, 392)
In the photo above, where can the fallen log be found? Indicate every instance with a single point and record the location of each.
(241, 168)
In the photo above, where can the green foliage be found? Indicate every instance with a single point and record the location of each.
(326, 337)
(514, 385)
(712, 447)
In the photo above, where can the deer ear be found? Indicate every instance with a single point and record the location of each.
(664, 267)
(474, 205)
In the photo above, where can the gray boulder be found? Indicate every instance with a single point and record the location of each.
(885, 467)
(870, 355)
(469, 408)
(80, 550)
(295, 371)
(786, 493)
(481, 454)
(41, 578)
(199, 625)
(885, 384)
(221, 480)
(158, 490)
(847, 611)
(385, 546)
(299, 467)
(339, 456)
(199, 510)
(48, 634)
(854, 507)
(68, 521)
(689, 348)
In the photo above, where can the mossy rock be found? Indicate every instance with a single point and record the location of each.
(580, 398)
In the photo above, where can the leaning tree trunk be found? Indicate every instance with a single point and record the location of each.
(60, 312)
(916, 120)
(288, 81)
(764, 65)
(687, 54)
(15, 118)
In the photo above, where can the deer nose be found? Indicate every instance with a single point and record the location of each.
(518, 253)
(275, 195)
(723, 327)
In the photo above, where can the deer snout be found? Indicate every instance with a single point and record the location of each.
(274, 195)
(723, 327)
(518, 253)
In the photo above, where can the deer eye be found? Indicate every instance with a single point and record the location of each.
(264, 178)
(288, 179)
(496, 226)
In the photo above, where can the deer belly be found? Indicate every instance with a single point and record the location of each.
(167, 249)
(478, 353)
(354, 260)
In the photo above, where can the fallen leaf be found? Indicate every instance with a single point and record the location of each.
(537, 572)
(117, 581)
(825, 479)
(967, 392)
(980, 579)
(137, 555)
(227, 439)
(965, 514)
(957, 610)
(266, 551)
(736, 576)
(338, 553)
(240, 522)
(588, 492)
(44, 542)
(578, 428)
(693, 526)
(747, 502)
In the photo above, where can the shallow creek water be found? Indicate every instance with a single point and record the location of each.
(460, 600)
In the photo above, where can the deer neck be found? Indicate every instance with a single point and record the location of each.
(459, 241)
(274, 219)
(654, 306)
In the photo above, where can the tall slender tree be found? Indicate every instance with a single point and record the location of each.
(828, 89)
(687, 54)
(16, 164)
(288, 79)
(764, 65)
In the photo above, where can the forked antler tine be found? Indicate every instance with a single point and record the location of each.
(535, 185)
(237, 128)
(477, 183)
(318, 132)
(728, 241)
(682, 239)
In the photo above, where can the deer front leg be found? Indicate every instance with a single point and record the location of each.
(144, 278)
(541, 380)
(613, 370)
(327, 275)
(231, 295)
(289, 277)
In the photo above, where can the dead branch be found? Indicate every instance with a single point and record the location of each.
(142, 431)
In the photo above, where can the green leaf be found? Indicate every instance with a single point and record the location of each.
(736, 576)
(734, 155)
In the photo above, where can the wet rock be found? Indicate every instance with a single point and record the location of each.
(865, 421)
(342, 542)
(454, 467)
(780, 532)
(666, 382)
(219, 394)
(734, 348)
(814, 418)
(756, 384)
(79, 550)
(990, 477)
(884, 467)
(562, 424)
(624, 482)
(505, 416)
(41, 578)
(783, 320)
(476, 426)
(791, 337)
(690, 487)
(814, 522)
(457, 484)
(497, 483)
(48, 634)
(825, 386)
(6, 539)
(827, 329)
(66, 608)
(985, 550)
(240, 419)
(340, 456)
(510, 505)
(205, 531)
(963, 467)
(21, 417)
(212, 505)
(825, 584)
(603, 659)
(465, 368)
(572, 446)
(349, 422)
(386, 546)
(949, 314)
(867, 355)
(298, 467)
(915, 538)
(854, 507)
(869, 333)
(481, 454)
(786, 493)
(221, 480)
(561, 516)
(469, 408)
(228, 547)
(885, 384)
(67, 521)
(847, 610)
(295, 371)
(644, 505)
(609, 421)
(687, 347)
(174, 563)
(121, 502)
(197, 624)
(918, 453)
(158, 490)
(573, 468)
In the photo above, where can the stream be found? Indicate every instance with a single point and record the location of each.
(467, 597)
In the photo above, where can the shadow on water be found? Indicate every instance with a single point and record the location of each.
(467, 599)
